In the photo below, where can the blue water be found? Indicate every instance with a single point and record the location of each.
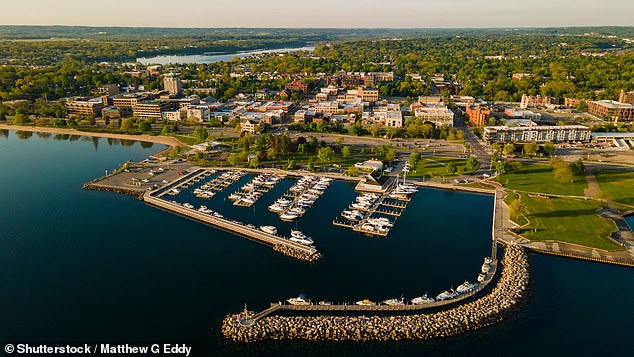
(212, 57)
(80, 265)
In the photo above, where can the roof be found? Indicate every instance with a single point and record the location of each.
(613, 135)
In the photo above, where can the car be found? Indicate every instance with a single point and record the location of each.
(165, 181)
(145, 180)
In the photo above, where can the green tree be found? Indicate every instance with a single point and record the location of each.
(517, 208)
(291, 165)
(346, 152)
(165, 130)
(549, 148)
(390, 155)
(374, 130)
(472, 164)
(145, 126)
(500, 167)
(509, 149)
(21, 119)
(530, 149)
(451, 168)
(577, 167)
(126, 125)
(301, 149)
(254, 162)
(233, 159)
(200, 134)
(353, 171)
(326, 154)
(414, 158)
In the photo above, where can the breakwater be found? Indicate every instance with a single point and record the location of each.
(489, 309)
(121, 190)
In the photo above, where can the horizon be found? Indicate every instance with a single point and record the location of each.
(330, 14)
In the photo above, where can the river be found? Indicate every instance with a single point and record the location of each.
(213, 57)
(80, 265)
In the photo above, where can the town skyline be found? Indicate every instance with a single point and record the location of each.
(330, 14)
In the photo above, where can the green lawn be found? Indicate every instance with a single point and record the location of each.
(540, 178)
(436, 166)
(618, 185)
(568, 220)
(185, 139)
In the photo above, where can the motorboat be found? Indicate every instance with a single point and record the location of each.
(289, 216)
(300, 300)
(188, 205)
(422, 300)
(269, 229)
(368, 227)
(276, 208)
(485, 267)
(466, 287)
(382, 221)
(365, 302)
(325, 303)
(447, 294)
(301, 238)
(204, 209)
(481, 277)
(394, 302)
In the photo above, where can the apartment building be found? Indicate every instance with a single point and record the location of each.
(537, 101)
(539, 134)
(151, 109)
(611, 109)
(437, 114)
(626, 97)
(173, 84)
(478, 114)
(84, 107)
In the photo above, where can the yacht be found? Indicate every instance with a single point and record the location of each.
(394, 302)
(325, 303)
(300, 300)
(188, 205)
(486, 267)
(487, 260)
(365, 302)
(289, 216)
(269, 229)
(382, 221)
(447, 294)
(481, 277)
(465, 287)
(368, 227)
(301, 238)
(283, 202)
(276, 208)
(218, 215)
(204, 209)
(422, 300)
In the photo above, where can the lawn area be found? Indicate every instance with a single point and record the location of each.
(618, 185)
(186, 139)
(540, 178)
(436, 166)
(568, 220)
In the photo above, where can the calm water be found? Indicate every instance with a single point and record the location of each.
(81, 265)
(213, 57)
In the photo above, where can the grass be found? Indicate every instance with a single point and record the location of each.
(568, 220)
(617, 185)
(436, 166)
(540, 178)
(185, 139)
(512, 196)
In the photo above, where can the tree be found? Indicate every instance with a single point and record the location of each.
(496, 147)
(472, 164)
(549, 148)
(301, 149)
(21, 119)
(127, 125)
(291, 165)
(451, 168)
(165, 130)
(577, 167)
(254, 162)
(145, 126)
(500, 167)
(509, 149)
(346, 152)
(390, 155)
(339, 140)
(517, 208)
(326, 154)
(374, 130)
(233, 159)
(200, 134)
(353, 171)
(414, 158)
(530, 149)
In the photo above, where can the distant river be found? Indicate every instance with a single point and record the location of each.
(213, 57)
(80, 265)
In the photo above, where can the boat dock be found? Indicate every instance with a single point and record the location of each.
(254, 190)
(291, 248)
(392, 206)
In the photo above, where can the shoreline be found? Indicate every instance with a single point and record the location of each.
(159, 139)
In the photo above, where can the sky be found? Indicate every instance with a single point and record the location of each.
(319, 13)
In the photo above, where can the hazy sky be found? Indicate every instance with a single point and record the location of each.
(318, 13)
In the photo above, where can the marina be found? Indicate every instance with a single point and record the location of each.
(251, 192)
(300, 197)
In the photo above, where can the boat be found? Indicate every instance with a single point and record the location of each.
(394, 302)
(465, 287)
(368, 227)
(487, 260)
(325, 303)
(289, 216)
(481, 277)
(365, 302)
(269, 229)
(188, 205)
(300, 300)
(486, 268)
(301, 238)
(447, 294)
(218, 215)
(204, 209)
(422, 300)
(276, 208)
(382, 221)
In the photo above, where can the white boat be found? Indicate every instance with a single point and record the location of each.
(283, 201)
(289, 216)
(394, 302)
(422, 300)
(365, 302)
(204, 209)
(447, 294)
(188, 205)
(487, 260)
(382, 221)
(481, 277)
(465, 287)
(325, 303)
(300, 300)
(218, 215)
(368, 227)
(299, 237)
(269, 229)
(486, 268)
(276, 208)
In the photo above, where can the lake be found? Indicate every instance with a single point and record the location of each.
(79, 265)
(213, 57)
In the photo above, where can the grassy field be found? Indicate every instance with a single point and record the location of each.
(540, 178)
(617, 185)
(436, 166)
(568, 220)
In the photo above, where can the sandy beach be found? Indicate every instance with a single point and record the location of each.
(165, 140)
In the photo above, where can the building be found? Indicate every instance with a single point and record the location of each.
(520, 76)
(478, 114)
(620, 140)
(128, 101)
(366, 94)
(374, 182)
(539, 134)
(200, 113)
(573, 102)
(297, 86)
(151, 109)
(389, 116)
(249, 126)
(173, 115)
(84, 107)
(626, 97)
(172, 83)
(610, 109)
(326, 107)
(522, 114)
(370, 165)
(109, 89)
(437, 114)
(537, 101)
